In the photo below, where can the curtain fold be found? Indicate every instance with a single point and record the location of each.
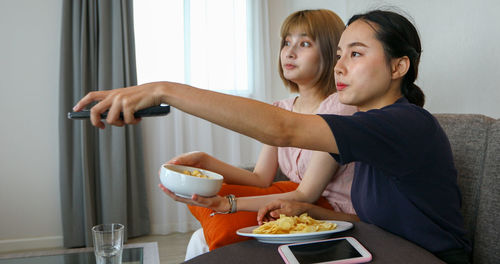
(180, 132)
(101, 171)
(260, 71)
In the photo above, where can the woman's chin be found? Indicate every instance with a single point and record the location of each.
(345, 98)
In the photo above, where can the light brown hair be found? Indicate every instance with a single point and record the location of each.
(325, 28)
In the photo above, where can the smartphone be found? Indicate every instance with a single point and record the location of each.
(146, 112)
(335, 250)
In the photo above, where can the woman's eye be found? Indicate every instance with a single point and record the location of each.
(337, 57)
(287, 43)
(306, 44)
(355, 54)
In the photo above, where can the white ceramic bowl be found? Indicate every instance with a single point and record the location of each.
(172, 177)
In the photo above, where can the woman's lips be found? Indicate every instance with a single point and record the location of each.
(289, 66)
(341, 86)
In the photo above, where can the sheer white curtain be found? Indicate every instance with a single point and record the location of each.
(167, 52)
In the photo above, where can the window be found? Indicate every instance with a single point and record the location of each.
(199, 42)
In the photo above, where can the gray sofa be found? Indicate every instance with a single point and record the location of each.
(475, 141)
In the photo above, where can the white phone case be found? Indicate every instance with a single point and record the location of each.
(290, 258)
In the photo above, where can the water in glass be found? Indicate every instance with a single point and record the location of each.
(109, 255)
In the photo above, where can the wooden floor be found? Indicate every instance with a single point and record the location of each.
(172, 248)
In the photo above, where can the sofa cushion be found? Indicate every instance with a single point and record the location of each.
(468, 135)
(487, 236)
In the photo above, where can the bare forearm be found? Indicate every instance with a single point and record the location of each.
(318, 212)
(254, 203)
(253, 118)
(233, 174)
(268, 124)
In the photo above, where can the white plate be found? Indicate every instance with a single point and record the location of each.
(294, 238)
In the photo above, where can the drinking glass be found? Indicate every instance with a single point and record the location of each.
(108, 243)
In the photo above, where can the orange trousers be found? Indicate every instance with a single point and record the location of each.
(220, 229)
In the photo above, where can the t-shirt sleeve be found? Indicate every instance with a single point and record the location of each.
(387, 139)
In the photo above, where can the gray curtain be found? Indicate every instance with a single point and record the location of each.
(101, 171)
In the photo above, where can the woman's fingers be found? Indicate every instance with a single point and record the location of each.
(201, 201)
(175, 197)
(89, 98)
(115, 108)
(128, 117)
(274, 209)
(266, 212)
(123, 100)
(276, 213)
(179, 160)
(96, 111)
(197, 200)
(129, 105)
(188, 159)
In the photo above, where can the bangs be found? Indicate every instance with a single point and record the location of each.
(301, 22)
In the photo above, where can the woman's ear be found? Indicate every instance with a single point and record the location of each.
(400, 67)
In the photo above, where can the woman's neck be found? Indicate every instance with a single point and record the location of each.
(308, 100)
(390, 97)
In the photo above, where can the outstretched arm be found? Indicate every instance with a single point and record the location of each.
(266, 123)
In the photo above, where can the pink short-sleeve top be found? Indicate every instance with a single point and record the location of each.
(293, 161)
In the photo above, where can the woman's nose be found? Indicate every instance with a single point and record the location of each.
(339, 67)
(291, 51)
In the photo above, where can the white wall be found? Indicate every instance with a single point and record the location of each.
(459, 73)
(29, 149)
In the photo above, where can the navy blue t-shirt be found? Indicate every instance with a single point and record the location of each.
(405, 180)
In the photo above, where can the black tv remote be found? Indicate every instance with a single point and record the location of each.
(159, 110)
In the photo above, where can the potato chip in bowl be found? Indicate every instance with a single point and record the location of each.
(185, 181)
